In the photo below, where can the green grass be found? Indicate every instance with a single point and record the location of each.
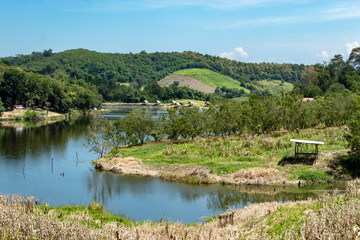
(231, 154)
(287, 218)
(95, 211)
(211, 78)
(275, 87)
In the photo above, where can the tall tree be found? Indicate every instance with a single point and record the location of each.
(12, 87)
(99, 135)
(354, 59)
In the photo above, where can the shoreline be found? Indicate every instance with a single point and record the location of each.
(235, 164)
(194, 174)
(269, 220)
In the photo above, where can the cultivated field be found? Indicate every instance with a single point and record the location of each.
(185, 81)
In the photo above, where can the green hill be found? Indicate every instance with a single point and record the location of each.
(211, 78)
(274, 87)
(107, 70)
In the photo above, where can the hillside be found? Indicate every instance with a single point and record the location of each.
(211, 78)
(107, 71)
(274, 87)
(143, 67)
(186, 81)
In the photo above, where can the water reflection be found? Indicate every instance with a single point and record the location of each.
(109, 188)
(32, 160)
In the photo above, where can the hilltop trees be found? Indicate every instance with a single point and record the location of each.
(108, 71)
(31, 89)
(337, 76)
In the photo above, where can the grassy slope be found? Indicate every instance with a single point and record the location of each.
(275, 87)
(229, 155)
(211, 78)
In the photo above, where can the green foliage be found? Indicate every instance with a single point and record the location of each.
(99, 136)
(2, 108)
(34, 90)
(353, 137)
(31, 116)
(137, 125)
(337, 76)
(106, 70)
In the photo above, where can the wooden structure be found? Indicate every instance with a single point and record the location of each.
(303, 151)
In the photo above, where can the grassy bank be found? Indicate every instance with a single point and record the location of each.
(29, 115)
(334, 216)
(252, 159)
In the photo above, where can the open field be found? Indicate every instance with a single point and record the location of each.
(186, 81)
(333, 216)
(275, 87)
(250, 159)
(211, 78)
(201, 79)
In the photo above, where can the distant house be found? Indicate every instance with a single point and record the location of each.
(19, 107)
(307, 99)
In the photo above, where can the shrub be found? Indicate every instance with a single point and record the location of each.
(31, 116)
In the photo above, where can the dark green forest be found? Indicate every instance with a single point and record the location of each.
(83, 79)
(60, 94)
(107, 71)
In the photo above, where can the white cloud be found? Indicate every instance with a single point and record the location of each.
(237, 53)
(324, 55)
(350, 46)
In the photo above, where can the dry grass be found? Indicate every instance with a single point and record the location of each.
(332, 217)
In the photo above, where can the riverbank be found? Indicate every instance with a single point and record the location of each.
(266, 159)
(334, 216)
(35, 118)
(132, 106)
(16, 116)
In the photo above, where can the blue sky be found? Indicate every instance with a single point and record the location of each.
(290, 31)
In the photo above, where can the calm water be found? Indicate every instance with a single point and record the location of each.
(51, 163)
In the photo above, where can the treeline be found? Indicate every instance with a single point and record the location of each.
(60, 94)
(107, 70)
(259, 115)
(336, 76)
(151, 93)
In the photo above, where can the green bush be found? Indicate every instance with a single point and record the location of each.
(31, 116)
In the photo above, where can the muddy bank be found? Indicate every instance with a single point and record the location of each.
(191, 173)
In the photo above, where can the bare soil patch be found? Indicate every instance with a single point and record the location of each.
(186, 81)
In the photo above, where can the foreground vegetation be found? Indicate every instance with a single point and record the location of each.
(333, 216)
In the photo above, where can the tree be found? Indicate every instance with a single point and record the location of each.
(353, 138)
(354, 59)
(118, 133)
(99, 135)
(138, 124)
(2, 108)
(12, 87)
(308, 75)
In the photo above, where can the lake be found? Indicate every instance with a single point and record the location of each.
(51, 163)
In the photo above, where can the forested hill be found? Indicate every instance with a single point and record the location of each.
(143, 68)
